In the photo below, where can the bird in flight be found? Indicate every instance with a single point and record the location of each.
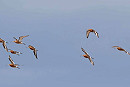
(91, 30)
(34, 50)
(4, 44)
(121, 49)
(87, 56)
(19, 41)
(13, 64)
(14, 52)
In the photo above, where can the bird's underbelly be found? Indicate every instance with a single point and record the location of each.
(12, 65)
(18, 42)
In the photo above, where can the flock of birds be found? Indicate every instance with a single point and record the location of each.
(89, 57)
(17, 41)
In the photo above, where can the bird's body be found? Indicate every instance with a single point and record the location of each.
(34, 50)
(87, 56)
(31, 47)
(14, 52)
(121, 49)
(13, 64)
(91, 30)
(19, 41)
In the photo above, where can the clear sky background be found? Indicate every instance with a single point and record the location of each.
(57, 28)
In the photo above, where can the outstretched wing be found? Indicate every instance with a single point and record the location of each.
(90, 59)
(35, 53)
(11, 60)
(1, 40)
(31, 47)
(4, 45)
(114, 46)
(21, 37)
(96, 33)
(85, 52)
(14, 38)
(126, 52)
(87, 33)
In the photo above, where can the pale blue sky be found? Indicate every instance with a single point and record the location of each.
(57, 29)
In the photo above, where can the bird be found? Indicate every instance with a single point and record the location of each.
(4, 44)
(14, 52)
(19, 41)
(87, 56)
(120, 49)
(13, 64)
(34, 50)
(91, 30)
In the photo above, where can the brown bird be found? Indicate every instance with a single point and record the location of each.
(13, 64)
(87, 56)
(34, 50)
(19, 41)
(14, 52)
(4, 44)
(91, 30)
(121, 49)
